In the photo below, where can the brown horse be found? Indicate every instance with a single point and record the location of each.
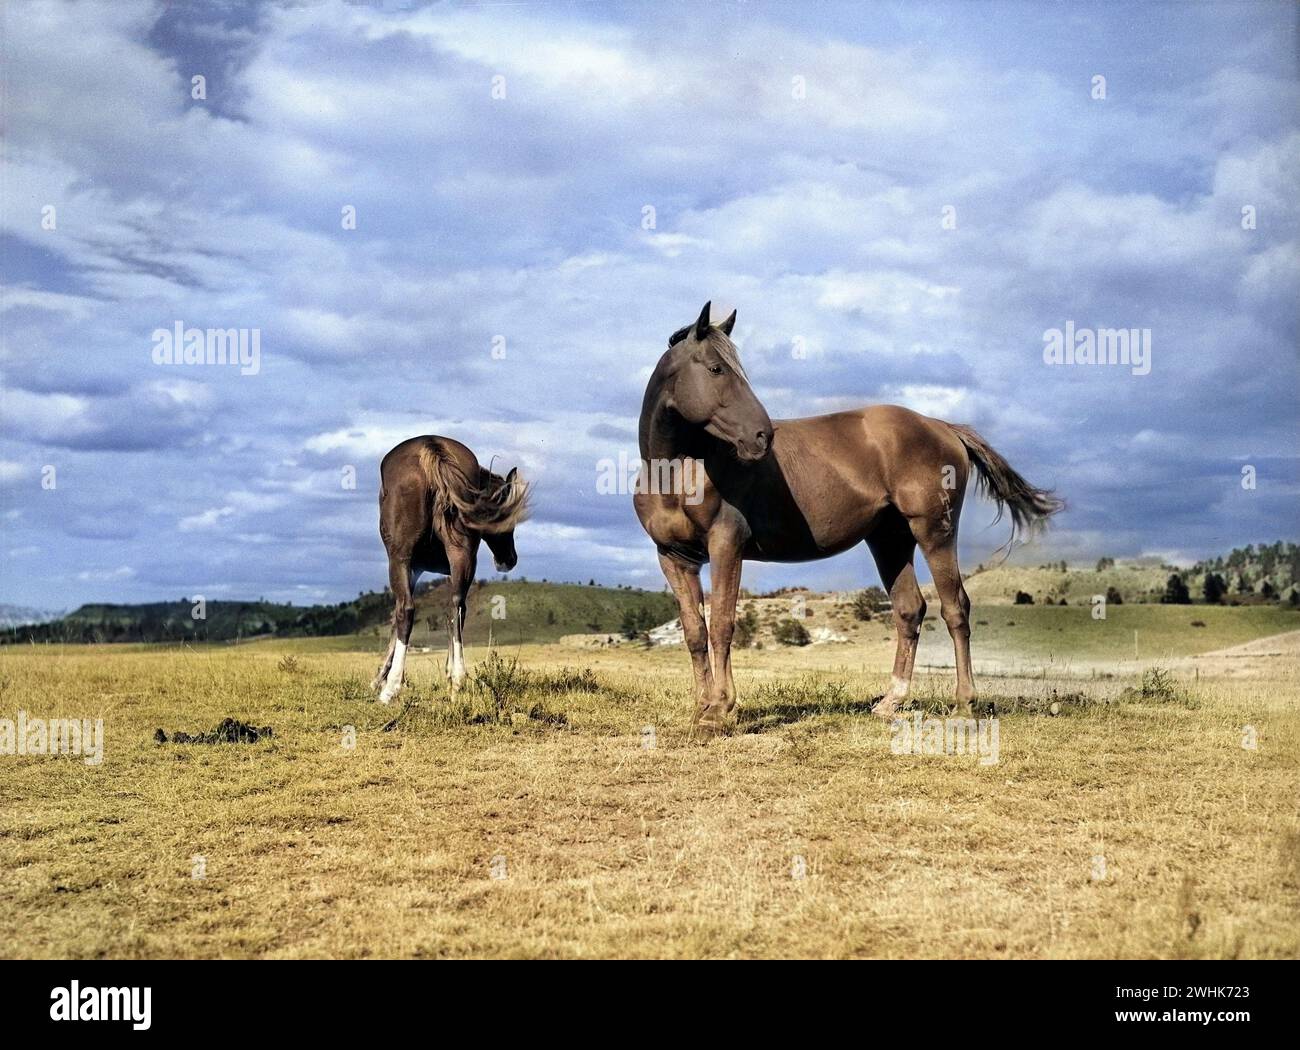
(796, 490)
(435, 504)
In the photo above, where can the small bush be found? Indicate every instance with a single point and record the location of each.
(288, 664)
(637, 622)
(1158, 684)
(868, 602)
(1022, 598)
(792, 632)
(746, 628)
(499, 680)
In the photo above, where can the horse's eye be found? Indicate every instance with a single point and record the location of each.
(715, 370)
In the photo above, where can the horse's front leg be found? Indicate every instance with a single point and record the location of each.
(725, 564)
(685, 582)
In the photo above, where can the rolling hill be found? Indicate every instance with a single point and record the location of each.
(512, 611)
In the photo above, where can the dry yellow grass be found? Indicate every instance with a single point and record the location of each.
(612, 848)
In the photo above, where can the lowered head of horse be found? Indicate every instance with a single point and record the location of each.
(493, 509)
(705, 384)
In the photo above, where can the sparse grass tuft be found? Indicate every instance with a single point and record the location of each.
(1158, 686)
(778, 703)
(567, 680)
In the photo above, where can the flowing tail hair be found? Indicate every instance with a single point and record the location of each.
(489, 505)
(1028, 507)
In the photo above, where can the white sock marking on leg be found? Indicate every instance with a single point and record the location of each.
(394, 682)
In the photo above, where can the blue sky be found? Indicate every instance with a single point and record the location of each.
(798, 158)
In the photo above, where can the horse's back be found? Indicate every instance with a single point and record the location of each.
(881, 453)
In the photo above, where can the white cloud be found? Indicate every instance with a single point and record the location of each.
(208, 519)
(123, 572)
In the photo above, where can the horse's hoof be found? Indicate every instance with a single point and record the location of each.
(710, 722)
(885, 711)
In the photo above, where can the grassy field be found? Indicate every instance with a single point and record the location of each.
(573, 815)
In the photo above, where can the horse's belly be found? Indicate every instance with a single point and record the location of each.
(430, 556)
(809, 547)
(781, 531)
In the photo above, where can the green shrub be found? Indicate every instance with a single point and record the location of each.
(501, 681)
(746, 627)
(867, 603)
(792, 632)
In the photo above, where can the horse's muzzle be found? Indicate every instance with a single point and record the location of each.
(751, 450)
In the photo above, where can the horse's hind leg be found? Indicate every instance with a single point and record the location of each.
(939, 545)
(892, 547)
(378, 681)
(463, 563)
(399, 579)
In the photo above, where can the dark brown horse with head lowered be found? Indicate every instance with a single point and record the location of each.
(435, 504)
(792, 490)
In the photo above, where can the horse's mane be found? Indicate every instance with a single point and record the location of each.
(719, 341)
(488, 504)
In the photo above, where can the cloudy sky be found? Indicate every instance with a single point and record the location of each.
(899, 199)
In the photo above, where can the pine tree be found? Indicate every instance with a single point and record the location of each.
(1176, 592)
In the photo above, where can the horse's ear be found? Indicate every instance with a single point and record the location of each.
(514, 473)
(728, 324)
(702, 325)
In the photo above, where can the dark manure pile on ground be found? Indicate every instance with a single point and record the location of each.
(229, 731)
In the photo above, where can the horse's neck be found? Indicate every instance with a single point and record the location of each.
(659, 437)
(663, 435)
(658, 434)
(666, 437)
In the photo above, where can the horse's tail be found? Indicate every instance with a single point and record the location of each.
(487, 505)
(1028, 507)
